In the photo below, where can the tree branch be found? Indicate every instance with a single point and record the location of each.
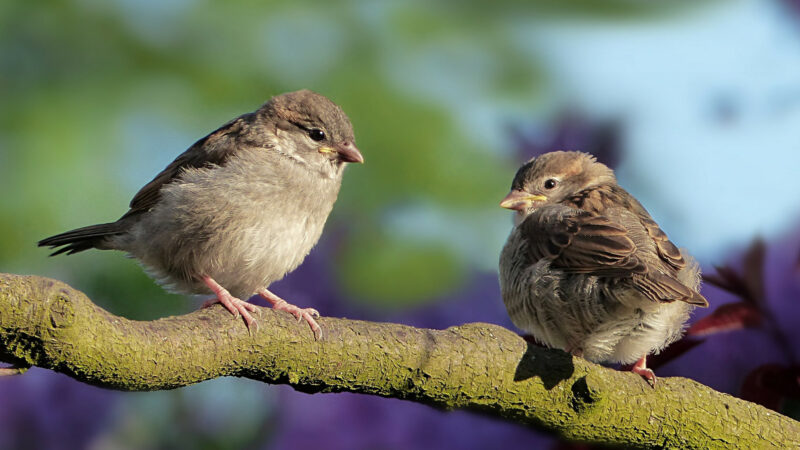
(479, 367)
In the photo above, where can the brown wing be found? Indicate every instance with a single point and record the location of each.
(598, 199)
(579, 241)
(583, 242)
(660, 287)
(212, 149)
(666, 250)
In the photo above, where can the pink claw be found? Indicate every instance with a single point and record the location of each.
(641, 368)
(307, 314)
(236, 306)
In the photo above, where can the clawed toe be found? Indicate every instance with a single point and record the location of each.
(236, 306)
(299, 313)
(641, 369)
(647, 374)
(244, 309)
(307, 314)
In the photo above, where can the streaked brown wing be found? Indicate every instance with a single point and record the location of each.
(597, 200)
(579, 241)
(667, 251)
(659, 287)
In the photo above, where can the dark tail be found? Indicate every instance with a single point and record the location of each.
(80, 239)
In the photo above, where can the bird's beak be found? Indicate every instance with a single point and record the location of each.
(520, 200)
(347, 152)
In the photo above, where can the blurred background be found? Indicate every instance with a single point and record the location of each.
(695, 104)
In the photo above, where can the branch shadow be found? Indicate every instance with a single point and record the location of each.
(550, 365)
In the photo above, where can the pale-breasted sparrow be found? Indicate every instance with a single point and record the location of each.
(240, 208)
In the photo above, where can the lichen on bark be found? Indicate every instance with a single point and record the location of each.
(479, 367)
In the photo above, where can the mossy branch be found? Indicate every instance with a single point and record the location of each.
(479, 367)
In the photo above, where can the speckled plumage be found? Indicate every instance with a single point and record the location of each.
(242, 207)
(586, 269)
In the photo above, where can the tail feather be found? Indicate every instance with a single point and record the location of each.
(80, 239)
(696, 299)
(660, 287)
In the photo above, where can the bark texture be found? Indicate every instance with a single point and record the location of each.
(479, 367)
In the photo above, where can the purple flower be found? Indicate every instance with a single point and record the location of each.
(44, 410)
(572, 131)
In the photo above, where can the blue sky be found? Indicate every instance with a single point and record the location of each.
(711, 101)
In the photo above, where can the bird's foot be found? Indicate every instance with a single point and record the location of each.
(236, 306)
(307, 314)
(13, 370)
(641, 368)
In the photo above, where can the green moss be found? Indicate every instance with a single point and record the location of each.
(479, 367)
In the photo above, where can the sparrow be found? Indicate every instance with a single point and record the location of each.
(239, 209)
(587, 270)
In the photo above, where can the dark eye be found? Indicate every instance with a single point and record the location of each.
(550, 183)
(316, 134)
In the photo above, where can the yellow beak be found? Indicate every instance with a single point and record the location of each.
(347, 152)
(520, 200)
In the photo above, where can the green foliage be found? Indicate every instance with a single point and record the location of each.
(394, 272)
(99, 96)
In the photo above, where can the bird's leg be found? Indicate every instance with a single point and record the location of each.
(641, 368)
(236, 306)
(307, 314)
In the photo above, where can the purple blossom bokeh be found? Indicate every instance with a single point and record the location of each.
(571, 131)
(724, 360)
(45, 410)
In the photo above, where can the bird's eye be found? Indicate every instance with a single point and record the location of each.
(316, 134)
(550, 183)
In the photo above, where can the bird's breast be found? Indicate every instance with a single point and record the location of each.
(244, 225)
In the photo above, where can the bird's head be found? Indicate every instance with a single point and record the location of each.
(312, 130)
(553, 177)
